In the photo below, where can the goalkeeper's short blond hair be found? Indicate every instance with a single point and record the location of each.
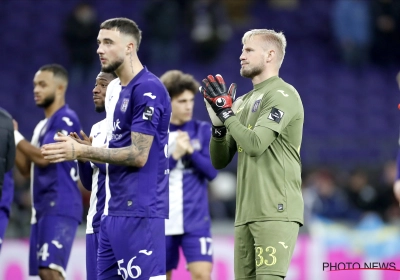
(271, 37)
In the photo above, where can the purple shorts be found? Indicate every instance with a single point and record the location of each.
(3, 225)
(51, 242)
(131, 248)
(92, 244)
(196, 246)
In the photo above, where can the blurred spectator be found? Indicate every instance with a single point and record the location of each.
(22, 207)
(398, 79)
(162, 25)
(396, 185)
(361, 194)
(223, 196)
(324, 199)
(210, 28)
(352, 29)
(386, 27)
(80, 35)
(388, 207)
(284, 5)
(238, 11)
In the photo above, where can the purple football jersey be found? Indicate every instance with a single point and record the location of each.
(144, 107)
(188, 184)
(93, 177)
(54, 187)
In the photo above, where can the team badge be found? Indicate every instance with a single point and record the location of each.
(124, 104)
(195, 144)
(276, 115)
(256, 105)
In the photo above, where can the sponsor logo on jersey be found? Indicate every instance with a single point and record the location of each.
(275, 115)
(149, 94)
(57, 244)
(97, 134)
(283, 244)
(147, 253)
(283, 93)
(280, 207)
(67, 121)
(148, 113)
(116, 125)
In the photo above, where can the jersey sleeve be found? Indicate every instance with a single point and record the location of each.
(65, 124)
(201, 159)
(222, 150)
(148, 107)
(278, 107)
(85, 174)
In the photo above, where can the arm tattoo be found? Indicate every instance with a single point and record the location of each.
(134, 155)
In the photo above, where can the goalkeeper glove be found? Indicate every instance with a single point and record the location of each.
(214, 91)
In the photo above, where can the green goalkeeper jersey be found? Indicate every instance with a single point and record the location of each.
(268, 178)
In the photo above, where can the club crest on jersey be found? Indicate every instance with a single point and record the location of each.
(256, 105)
(124, 104)
(195, 144)
(276, 115)
(220, 102)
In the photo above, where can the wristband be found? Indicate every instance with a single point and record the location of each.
(225, 114)
(18, 137)
(218, 131)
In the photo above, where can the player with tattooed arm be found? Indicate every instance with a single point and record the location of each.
(131, 240)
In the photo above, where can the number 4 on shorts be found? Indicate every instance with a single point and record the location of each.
(44, 252)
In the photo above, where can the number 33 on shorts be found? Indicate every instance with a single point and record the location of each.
(266, 257)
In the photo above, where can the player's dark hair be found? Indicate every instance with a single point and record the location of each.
(125, 26)
(57, 70)
(177, 82)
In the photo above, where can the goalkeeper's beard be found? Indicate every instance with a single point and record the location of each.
(252, 72)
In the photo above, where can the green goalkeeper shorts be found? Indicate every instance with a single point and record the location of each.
(264, 248)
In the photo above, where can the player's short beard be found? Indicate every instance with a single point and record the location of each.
(47, 101)
(252, 72)
(113, 66)
(99, 109)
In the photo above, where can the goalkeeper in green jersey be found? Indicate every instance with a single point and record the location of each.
(265, 127)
